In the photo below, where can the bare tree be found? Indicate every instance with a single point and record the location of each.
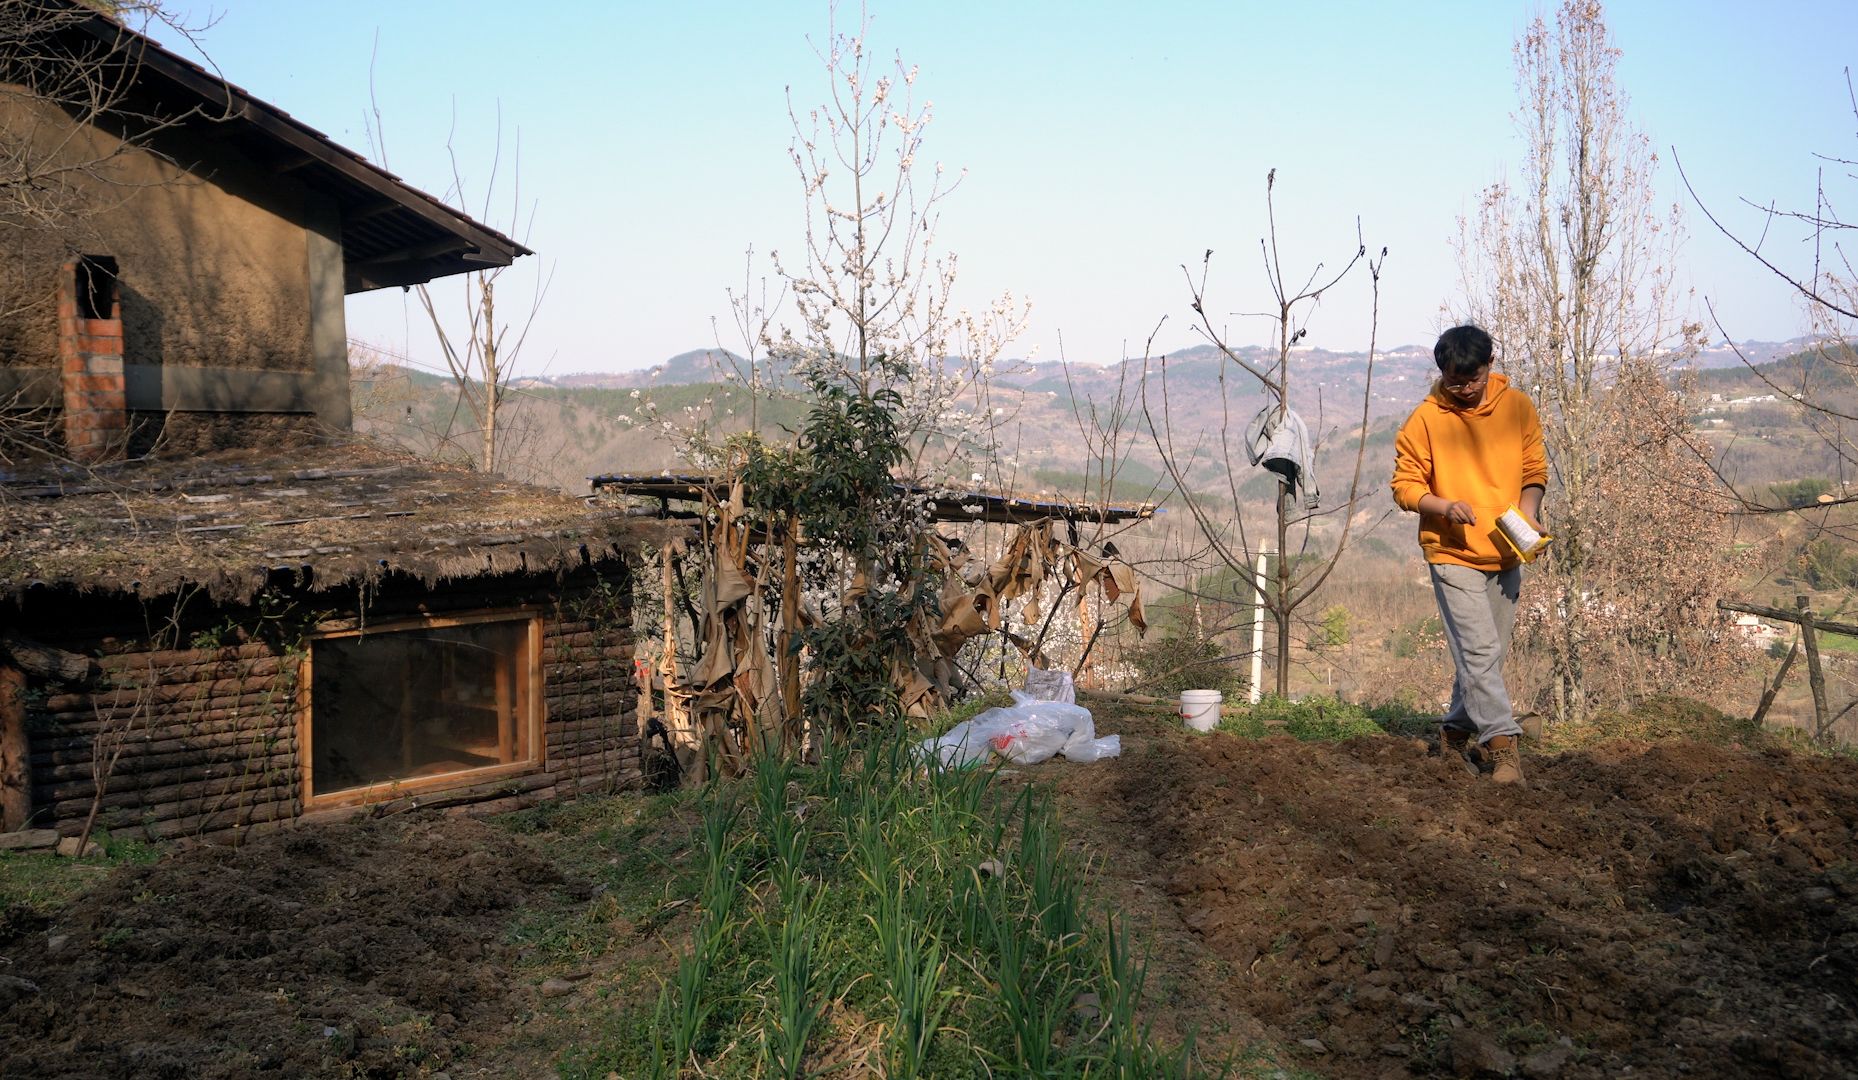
(874, 300)
(1232, 544)
(1821, 384)
(58, 80)
(481, 344)
(1573, 271)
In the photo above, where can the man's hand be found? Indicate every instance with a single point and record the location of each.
(1458, 512)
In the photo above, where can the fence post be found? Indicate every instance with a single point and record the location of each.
(1815, 676)
(1767, 697)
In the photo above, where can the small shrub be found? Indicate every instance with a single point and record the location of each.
(1171, 664)
(1670, 716)
(1332, 630)
(1311, 719)
(966, 710)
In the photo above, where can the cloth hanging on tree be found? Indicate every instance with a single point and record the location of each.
(1278, 440)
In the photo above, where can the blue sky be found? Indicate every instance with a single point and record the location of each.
(1106, 144)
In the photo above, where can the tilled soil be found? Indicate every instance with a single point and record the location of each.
(357, 950)
(1671, 908)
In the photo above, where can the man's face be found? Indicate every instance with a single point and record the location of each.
(1466, 389)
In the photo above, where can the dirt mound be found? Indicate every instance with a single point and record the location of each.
(1673, 907)
(367, 950)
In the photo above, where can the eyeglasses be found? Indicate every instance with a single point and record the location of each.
(1472, 383)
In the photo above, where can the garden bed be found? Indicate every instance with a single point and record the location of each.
(1353, 908)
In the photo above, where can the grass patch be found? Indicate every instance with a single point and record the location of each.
(634, 854)
(41, 882)
(1318, 719)
(1838, 643)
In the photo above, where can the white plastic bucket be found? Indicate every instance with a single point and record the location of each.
(1200, 708)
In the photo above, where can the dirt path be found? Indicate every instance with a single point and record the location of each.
(1672, 908)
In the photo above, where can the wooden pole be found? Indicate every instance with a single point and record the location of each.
(1815, 676)
(1257, 687)
(15, 771)
(675, 714)
(1767, 697)
(1282, 608)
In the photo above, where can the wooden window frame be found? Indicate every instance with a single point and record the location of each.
(386, 790)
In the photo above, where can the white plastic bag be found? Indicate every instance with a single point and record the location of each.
(1025, 733)
(1096, 749)
(1042, 685)
(960, 745)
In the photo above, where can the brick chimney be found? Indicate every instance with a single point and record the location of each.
(90, 350)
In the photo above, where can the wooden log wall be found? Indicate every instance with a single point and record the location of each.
(205, 740)
(591, 726)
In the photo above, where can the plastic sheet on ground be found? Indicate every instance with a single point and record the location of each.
(1025, 733)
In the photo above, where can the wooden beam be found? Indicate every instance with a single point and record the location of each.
(15, 751)
(1826, 626)
(1767, 697)
(451, 245)
(44, 661)
(369, 211)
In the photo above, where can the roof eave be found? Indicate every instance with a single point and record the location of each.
(360, 188)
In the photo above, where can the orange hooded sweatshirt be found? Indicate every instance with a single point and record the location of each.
(1483, 455)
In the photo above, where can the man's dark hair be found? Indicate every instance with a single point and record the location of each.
(1461, 351)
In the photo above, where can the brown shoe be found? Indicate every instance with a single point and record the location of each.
(1506, 755)
(1453, 741)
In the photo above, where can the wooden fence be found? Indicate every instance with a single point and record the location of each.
(1811, 626)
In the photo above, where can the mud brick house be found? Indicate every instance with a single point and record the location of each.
(219, 610)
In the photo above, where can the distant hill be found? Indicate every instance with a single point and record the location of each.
(569, 427)
(710, 365)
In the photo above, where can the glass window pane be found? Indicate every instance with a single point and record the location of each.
(414, 703)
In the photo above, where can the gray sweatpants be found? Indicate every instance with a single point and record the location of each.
(1478, 608)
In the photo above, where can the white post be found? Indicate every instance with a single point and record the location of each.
(1258, 630)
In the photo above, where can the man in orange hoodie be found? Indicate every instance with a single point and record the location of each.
(1469, 452)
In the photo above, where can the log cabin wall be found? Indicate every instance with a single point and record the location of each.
(205, 736)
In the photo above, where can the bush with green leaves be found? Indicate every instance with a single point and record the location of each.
(837, 483)
(1332, 630)
(1803, 492)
